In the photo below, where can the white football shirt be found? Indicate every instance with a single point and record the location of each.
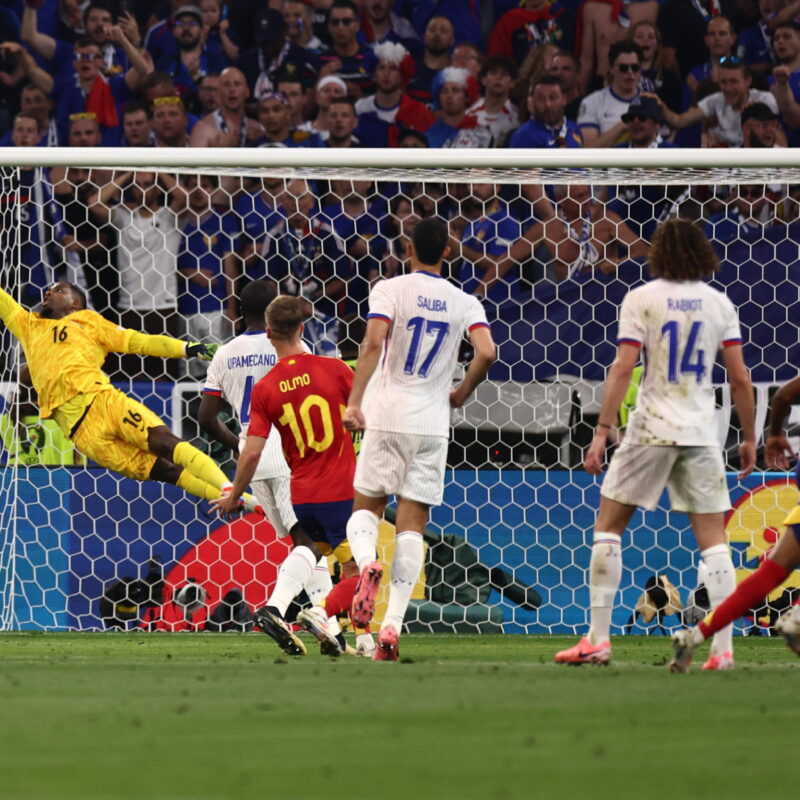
(681, 327)
(235, 369)
(410, 390)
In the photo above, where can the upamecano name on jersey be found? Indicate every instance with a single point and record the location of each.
(431, 303)
(252, 360)
(685, 304)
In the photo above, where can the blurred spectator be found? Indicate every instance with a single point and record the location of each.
(92, 92)
(159, 40)
(467, 56)
(137, 125)
(342, 122)
(644, 119)
(600, 117)
(347, 57)
(207, 266)
(495, 110)
(536, 64)
(683, 29)
(208, 93)
(274, 114)
(43, 235)
(34, 102)
(380, 24)
(149, 241)
(328, 89)
(536, 22)
(18, 68)
(227, 126)
(438, 40)
(170, 123)
(720, 40)
(725, 106)
(656, 77)
(220, 38)
(752, 209)
(299, 25)
(412, 138)
(760, 126)
(84, 130)
(785, 79)
(755, 43)
(274, 56)
(454, 90)
(548, 125)
(98, 22)
(191, 61)
(298, 98)
(257, 210)
(383, 115)
(564, 66)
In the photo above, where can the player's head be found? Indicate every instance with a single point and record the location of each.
(429, 242)
(61, 299)
(682, 252)
(285, 317)
(255, 298)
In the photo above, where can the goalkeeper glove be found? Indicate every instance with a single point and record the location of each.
(200, 350)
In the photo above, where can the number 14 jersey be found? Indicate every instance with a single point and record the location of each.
(304, 397)
(428, 317)
(680, 326)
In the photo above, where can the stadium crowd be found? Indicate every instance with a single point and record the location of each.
(167, 254)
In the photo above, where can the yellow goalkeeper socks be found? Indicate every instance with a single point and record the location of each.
(199, 464)
(197, 486)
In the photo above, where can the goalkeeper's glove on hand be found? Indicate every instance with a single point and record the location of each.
(200, 350)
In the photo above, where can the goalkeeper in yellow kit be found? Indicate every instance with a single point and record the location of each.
(65, 346)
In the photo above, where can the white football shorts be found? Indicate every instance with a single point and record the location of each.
(403, 464)
(275, 497)
(694, 477)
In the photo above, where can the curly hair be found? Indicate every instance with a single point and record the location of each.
(682, 252)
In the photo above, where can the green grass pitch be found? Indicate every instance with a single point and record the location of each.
(206, 717)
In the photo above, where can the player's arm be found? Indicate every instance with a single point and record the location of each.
(743, 401)
(778, 450)
(11, 312)
(209, 422)
(147, 344)
(481, 340)
(617, 382)
(368, 357)
(245, 469)
(44, 45)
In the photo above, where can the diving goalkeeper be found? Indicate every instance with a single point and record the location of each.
(65, 346)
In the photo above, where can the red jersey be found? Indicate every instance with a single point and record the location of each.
(304, 397)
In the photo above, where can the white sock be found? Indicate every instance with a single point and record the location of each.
(293, 576)
(362, 535)
(320, 583)
(605, 573)
(720, 582)
(406, 566)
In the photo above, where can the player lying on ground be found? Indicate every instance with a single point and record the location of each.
(303, 396)
(235, 369)
(406, 416)
(65, 346)
(777, 565)
(671, 439)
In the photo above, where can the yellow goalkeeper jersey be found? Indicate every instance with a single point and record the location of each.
(65, 356)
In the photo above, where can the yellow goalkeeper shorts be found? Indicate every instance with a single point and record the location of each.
(114, 434)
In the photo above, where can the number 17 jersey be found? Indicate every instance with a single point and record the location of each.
(680, 326)
(304, 397)
(428, 317)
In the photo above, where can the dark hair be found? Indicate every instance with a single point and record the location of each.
(790, 23)
(79, 294)
(103, 7)
(85, 41)
(430, 240)
(156, 78)
(682, 252)
(255, 298)
(344, 4)
(497, 61)
(346, 99)
(545, 80)
(133, 106)
(622, 48)
(285, 315)
(410, 133)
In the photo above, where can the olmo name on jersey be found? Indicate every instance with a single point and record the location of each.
(294, 383)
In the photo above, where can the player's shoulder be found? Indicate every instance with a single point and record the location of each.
(91, 318)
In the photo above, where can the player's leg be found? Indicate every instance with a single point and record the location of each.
(636, 477)
(749, 593)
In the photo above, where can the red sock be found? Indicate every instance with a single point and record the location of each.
(749, 593)
(340, 598)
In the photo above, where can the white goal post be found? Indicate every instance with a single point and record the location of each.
(82, 548)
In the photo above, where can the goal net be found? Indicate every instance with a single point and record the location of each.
(163, 241)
